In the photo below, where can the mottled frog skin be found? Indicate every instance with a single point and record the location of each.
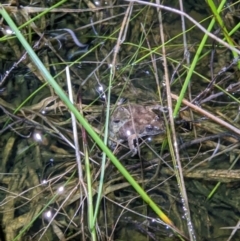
(132, 121)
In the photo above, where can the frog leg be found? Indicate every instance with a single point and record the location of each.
(131, 139)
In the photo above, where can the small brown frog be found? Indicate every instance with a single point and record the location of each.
(132, 121)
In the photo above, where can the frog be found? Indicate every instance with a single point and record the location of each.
(133, 121)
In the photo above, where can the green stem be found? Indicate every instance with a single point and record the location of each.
(194, 63)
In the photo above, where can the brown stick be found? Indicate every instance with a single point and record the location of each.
(208, 115)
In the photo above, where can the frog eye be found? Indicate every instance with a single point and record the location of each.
(149, 127)
(116, 121)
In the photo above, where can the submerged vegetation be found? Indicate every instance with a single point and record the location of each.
(119, 120)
